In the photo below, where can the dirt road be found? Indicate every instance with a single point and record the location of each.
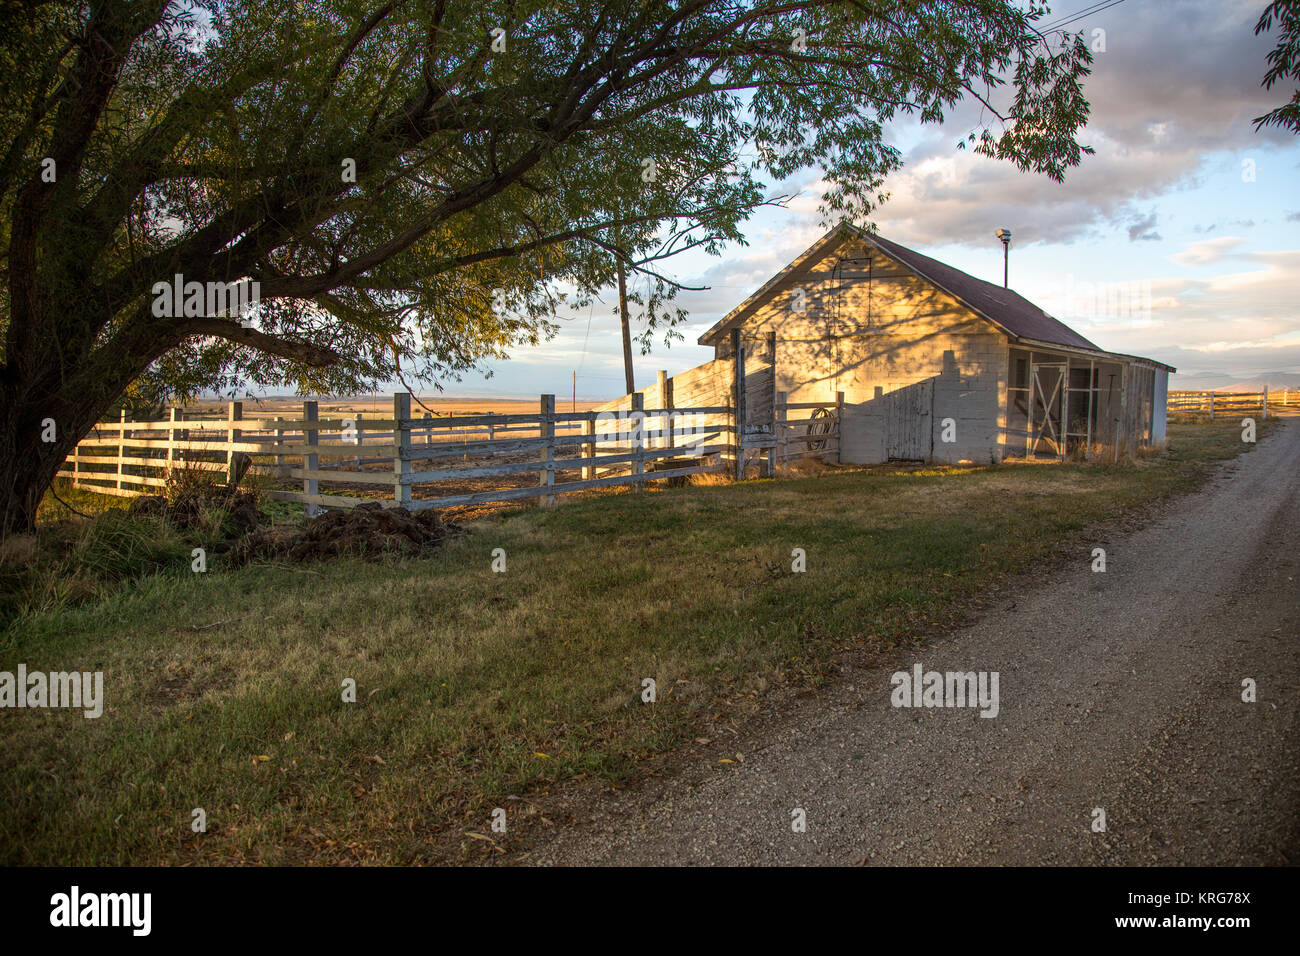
(1119, 690)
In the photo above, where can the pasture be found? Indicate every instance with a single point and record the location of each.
(479, 689)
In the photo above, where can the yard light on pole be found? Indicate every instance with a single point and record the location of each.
(1005, 236)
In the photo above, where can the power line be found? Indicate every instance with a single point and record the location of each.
(1060, 21)
(1081, 14)
(590, 312)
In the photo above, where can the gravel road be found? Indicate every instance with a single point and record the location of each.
(1119, 690)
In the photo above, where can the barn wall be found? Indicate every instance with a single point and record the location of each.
(971, 402)
(1138, 411)
(872, 329)
(705, 386)
(1159, 407)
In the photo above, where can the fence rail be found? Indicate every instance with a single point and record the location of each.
(1229, 403)
(443, 462)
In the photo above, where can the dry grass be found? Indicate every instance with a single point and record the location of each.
(223, 689)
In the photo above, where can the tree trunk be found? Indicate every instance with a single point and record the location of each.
(30, 409)
(70, 385)
(29, 464)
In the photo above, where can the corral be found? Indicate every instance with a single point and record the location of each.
(348, 457)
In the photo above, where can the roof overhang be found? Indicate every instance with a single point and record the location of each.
(1097, 354)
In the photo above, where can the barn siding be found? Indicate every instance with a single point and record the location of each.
(705, 386)
(1159, 410)
(1138, 408)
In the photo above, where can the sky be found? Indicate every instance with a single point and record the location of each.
(1178, 240)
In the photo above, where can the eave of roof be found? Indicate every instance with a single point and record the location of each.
(1092, 353)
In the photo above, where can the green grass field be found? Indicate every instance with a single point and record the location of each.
(223, 689)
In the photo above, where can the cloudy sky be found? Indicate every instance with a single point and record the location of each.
(1186, 221)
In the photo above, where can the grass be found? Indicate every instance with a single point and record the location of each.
(224, 689)
(73, 561)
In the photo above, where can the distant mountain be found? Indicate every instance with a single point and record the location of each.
(1276, 381)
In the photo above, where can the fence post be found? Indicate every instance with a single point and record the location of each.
(638, 467)
(662, 382)
(671, 418)
(121, 448)
(234, 412)
(176, 416)
(279, 440)
(402, 454)
(769, 458)
(1211, 406)
(1265, 415)
(546, 477)
(738, 402)
(589, 448)
(310, 460)
(839, 419)
(356, 440)
(780, 414)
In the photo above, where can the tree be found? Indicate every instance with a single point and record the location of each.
(412, 185)
(1283, 62)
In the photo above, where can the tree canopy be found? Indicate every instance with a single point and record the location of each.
(1283, 62)
(413, 184)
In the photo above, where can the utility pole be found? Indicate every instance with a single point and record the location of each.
(627, 331)
(1005, 236)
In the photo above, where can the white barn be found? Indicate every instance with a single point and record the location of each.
(928, 363)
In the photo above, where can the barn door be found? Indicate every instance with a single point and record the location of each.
(760, 393)
(909, 429)
(1047, 434)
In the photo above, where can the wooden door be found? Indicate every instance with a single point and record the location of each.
(909, 427)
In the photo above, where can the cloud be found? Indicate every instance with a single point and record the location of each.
(1178, 83)
(1206, 251)
(1245, 320)
(1144, 229)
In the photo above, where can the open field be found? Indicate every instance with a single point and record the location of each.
(381, 406)
(474, 687)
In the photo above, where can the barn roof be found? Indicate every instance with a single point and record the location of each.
(1008, 310)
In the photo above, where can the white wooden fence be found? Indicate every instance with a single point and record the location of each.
(1228, 403)
(443, 462)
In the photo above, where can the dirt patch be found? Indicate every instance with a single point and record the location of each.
(177, 684)
(366, 529)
